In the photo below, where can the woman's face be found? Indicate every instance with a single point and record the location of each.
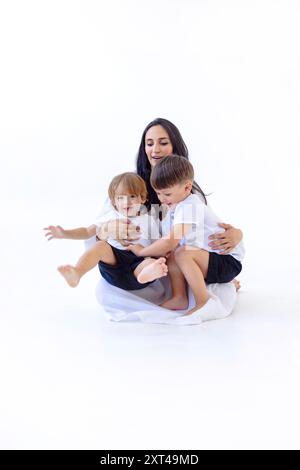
(157, 144)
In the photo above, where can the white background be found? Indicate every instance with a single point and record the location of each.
(79, 82)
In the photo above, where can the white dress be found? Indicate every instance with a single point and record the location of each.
(143, 305)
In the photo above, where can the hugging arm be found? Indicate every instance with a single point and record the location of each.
(226, 241)
(118, 229)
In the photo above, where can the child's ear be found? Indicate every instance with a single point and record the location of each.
(188, 185)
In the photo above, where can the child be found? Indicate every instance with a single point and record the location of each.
(186, 228)
(119, 267)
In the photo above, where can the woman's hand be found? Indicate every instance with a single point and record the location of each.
(54, 231)
(120, 229)
(226, 241)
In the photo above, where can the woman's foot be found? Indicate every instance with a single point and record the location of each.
(176, 303)
(237, 284)
(153, 271)
(70, 274)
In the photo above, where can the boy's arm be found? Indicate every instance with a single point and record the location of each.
(81, 233)
(165, 244)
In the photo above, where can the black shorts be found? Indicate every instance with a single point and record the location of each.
(222, 268)
(121, 274)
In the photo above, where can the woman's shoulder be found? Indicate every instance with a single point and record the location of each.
(106, 207)
(107, 213)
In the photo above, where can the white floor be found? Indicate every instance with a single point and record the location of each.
(71, 380)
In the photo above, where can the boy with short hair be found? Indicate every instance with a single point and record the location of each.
(186, 228)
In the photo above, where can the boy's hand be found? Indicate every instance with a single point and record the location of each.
(54, 231)
(136, 249)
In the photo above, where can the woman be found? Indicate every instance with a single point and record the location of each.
(159, 139)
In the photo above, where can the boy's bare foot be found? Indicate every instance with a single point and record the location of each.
(176, 303)
(70, 274)
(153, 271)
(237, 284)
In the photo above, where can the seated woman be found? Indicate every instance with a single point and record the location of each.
(160, 139)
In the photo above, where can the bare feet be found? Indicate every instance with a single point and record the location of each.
(153, 271)
(176, 303)
(70, 274)
(237, 284)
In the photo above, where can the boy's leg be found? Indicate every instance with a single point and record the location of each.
(179, 299)
(193, 263)
(101, 251)
(151, 269)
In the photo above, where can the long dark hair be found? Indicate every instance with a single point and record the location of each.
(179, 148)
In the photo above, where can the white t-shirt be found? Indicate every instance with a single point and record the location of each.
(149, 229)
(193, 210)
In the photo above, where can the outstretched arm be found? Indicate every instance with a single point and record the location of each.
(165, 244)
(81, 233)
(226, 241)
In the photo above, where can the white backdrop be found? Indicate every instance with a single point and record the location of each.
(79, 82)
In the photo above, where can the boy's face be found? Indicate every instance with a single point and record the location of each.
(172, 196)
(127, 204)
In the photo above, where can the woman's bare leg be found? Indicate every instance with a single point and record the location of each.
(151, 269)
(193, 263)
(179, 299)
(101, 251)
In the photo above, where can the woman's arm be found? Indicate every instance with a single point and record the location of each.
(81, 233)
(226, 241)
(118, 229)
